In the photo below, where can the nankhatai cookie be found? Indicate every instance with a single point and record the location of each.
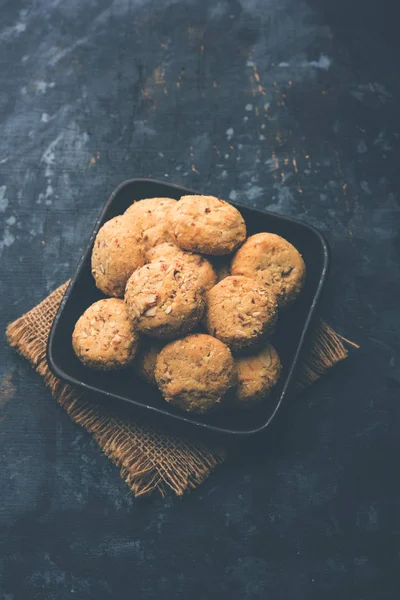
(103, 337)
(118, 250)
(169, 252)
(152, 213)
(207, 225)
(195, 373)
(256, 376)
(165, 301)
(275, 263)
(240, 312)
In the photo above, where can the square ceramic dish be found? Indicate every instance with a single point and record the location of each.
(125, 386)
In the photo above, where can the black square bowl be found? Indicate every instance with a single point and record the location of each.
(125, 386)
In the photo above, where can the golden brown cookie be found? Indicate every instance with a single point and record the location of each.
(169, 252)
(152, 213)
(256, 376)
(240, 312)
(145, 362)
(207, 225)
(194, 373)
(103, 337)
(117, 251)
(165, 301)
(274, 262)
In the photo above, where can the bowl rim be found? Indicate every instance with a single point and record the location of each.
(185, 418)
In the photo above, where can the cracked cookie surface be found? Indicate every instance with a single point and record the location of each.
(207, 225)
(103, 337)
(275, 263)
(195, 372)
(169, 252)
(117, 251)
(165, 301)
(256, 377)
(152, 214)
(240, 312)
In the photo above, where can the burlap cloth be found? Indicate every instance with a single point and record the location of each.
(149, 459)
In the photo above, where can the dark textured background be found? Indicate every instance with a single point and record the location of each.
(291, 106)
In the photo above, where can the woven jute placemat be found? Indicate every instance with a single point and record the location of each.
(149, 459)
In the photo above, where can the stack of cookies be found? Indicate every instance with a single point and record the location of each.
(191, 302)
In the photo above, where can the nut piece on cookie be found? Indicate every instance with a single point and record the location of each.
(152, 213)
(169, 252)
(256, 376)
(103, 337)
(195, 373)
(240, 312)
(165, 301)
(145, 362)
(117, 251)
(207, 225)
(275, 263)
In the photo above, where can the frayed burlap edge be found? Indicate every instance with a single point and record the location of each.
(324, 350)
(148, 458)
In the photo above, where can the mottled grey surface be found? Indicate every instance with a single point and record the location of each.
(291, 106)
